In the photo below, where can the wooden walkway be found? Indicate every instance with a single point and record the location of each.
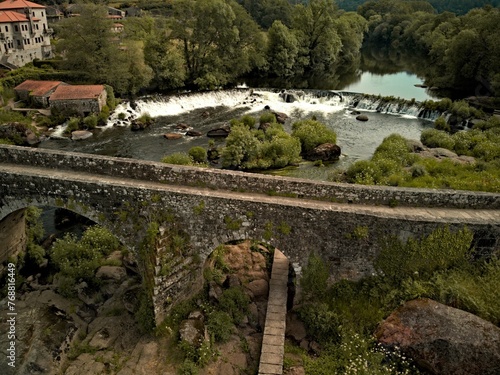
(271, 357)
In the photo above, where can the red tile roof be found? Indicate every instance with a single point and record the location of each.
(11, 16)
(38, 88)
(69, 92)
(19, 4)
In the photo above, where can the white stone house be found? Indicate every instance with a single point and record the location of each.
(24, 33)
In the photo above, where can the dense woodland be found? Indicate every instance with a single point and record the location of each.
(217, 43)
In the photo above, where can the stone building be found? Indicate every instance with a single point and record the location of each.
(36, 93)
(24, 33)
(79, 99)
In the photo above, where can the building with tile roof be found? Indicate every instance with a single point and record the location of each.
(24, 33)
(37, 93)
(78, 99)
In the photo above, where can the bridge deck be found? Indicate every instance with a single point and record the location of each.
(471, 216)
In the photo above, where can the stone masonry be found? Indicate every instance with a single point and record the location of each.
(214, 207)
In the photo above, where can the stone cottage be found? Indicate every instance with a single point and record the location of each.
(36, 93)
(78, 100)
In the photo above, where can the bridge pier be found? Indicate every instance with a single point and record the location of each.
(12, 235)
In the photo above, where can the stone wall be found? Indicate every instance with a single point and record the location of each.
(248, 182)
(80, 106)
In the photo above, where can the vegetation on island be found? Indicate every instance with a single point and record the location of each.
(267, 147)
(395, 164)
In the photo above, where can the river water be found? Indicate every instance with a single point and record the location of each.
(205, 111)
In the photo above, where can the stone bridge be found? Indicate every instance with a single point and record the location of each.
(173, 217)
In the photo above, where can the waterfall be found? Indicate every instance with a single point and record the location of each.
(255, 100)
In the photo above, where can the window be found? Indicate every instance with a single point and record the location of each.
(7, 28)
(18, 43)
(16, 28)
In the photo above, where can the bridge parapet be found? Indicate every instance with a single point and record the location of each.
(246, 182)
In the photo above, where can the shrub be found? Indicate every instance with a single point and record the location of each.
(73, 124)
(312, 133)
(90, 122)
(249, 121)
(267, 117)
(441, 124)
(441, 250)
(220, 325)
(437, 138)
(322, 323)
(198, 154)
(314, 278)
(234, 301)
(179, 158)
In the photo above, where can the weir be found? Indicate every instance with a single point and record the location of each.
(213, 207)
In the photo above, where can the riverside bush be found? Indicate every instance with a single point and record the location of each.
(436, 138)
(312, 133)
(257, 149)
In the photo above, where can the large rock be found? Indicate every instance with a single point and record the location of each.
(172, 135)
(193, 133)
(78, 135)
(259, 288)
(442, 339)
(221, 132)
(111, 273)
(192, 331)
(362, 118)
(325, 152)
(280, 117)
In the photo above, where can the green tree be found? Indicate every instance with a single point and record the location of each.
(89, 46)
(216, 44)
(319, 41)
(282, 50)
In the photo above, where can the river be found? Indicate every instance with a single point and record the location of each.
(358, 140)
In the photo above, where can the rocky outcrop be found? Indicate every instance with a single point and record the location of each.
(192, 331)
(324, 152)
(193, 133)
(19, 134)
(172, 135)
(280, 117)
(78, 135)
(442, 339)
(221, 132)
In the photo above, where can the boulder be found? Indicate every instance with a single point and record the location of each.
(443, 153)
(221, 132)
(324, 152)
(280, 117)
(362, 118)
(182, 126)
(139, 125)
(295, 328)
(192, 331)
(442, 339)
(172, 135)
(80, 134)
(355, 113)
(415, 145)
(264, 126)
(111, 273)
(193, 133)
(259, 288)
